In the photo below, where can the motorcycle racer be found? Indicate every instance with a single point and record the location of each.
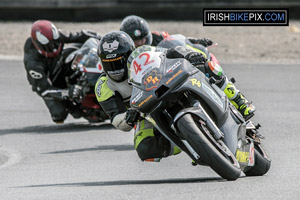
(46, 69)
(113, 94)
(138, 29)
(116, 51)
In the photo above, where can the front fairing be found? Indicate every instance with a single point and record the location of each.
(153, 81)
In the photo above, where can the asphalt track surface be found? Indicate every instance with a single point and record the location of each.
(77, 160)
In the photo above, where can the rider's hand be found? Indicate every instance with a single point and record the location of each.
(195, 58)
(75, 92)
(203, 41)
(132, 116)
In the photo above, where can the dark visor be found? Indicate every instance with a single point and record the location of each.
(114, 64)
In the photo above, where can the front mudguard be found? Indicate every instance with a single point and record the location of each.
(202, 115)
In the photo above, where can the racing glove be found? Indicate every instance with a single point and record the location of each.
(75, 92)
(203, 41)
(195, 58)
(132, 116)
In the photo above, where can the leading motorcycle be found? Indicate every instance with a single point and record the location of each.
(192, 112)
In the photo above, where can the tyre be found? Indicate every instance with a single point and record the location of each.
(209, 150)
(261, 165)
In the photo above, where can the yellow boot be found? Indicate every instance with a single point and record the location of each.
(239, 101)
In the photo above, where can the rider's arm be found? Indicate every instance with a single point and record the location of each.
(112, 104)
(195, 58)
(178, 52)
(116, 111)
(77, 37)
(37, 76)
(158, 36)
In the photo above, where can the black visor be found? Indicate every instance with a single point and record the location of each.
(116, 68)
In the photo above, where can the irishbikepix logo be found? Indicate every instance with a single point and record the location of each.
(245, 17)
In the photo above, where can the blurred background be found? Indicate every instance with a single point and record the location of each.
(236, 44)
(100, 10)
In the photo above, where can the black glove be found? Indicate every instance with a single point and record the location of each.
(132, 116)
(195, 58)
(203, 41)
(75, 92)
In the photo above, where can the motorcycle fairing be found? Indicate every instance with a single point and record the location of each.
(175, 76)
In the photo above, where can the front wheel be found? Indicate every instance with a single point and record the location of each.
(213, 153)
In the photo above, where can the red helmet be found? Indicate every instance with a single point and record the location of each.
(45, 38)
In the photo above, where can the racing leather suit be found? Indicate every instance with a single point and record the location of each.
(114, 99)
(47, 76)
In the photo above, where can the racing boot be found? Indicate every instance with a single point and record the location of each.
(238, 100)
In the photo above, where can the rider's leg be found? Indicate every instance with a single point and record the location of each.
(150, 144)
(58, 110)
(234, 95)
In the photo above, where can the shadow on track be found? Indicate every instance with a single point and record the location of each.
(49, 129)
(132, 182)
(119, 147)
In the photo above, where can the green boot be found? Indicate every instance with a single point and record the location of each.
(239, 101)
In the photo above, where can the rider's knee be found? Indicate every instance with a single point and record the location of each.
(59, 117)
(152, 147)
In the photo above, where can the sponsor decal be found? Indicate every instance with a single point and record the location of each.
(152, 80)
(35, 75)
(195, 82)
(111, 60)
(246, 155)
(111, 56)
(98, 89)
(173, 67)
(110, 46)
(137, 98)
(145, 100)
(242, 156)
(168, 81)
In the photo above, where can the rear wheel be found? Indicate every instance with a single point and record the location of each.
(213, 153)
(262, 163)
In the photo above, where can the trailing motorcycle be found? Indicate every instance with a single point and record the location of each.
(87, 68)
(192, 112)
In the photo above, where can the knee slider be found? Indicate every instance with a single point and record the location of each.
(59, 115)
(59, 118)
(145, 149)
